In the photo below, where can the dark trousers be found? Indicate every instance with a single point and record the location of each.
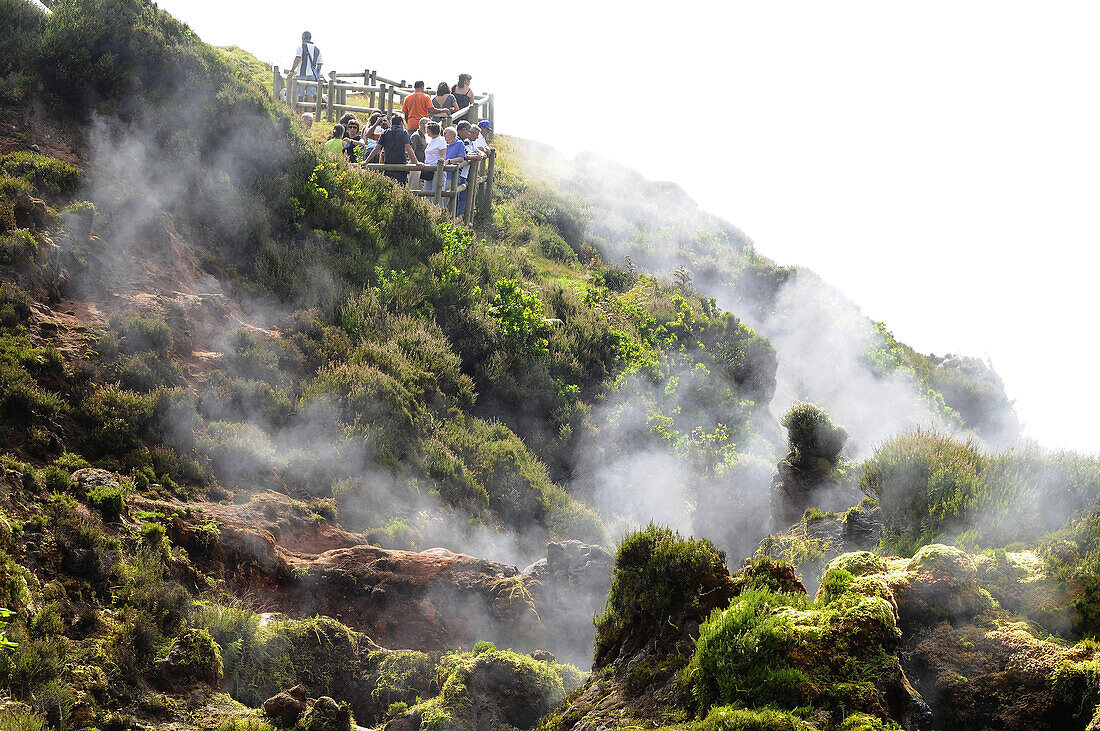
(460, 207)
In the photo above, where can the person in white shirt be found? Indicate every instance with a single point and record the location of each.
(433, 153)
(307, 63)
(477, 136)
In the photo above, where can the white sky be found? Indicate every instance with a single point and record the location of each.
(937, 161)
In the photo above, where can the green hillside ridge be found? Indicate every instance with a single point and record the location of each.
(210, 321)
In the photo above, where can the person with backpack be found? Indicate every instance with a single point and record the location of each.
(307, 64)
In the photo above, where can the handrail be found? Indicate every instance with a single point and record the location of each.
(381, 94)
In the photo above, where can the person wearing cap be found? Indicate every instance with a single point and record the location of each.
(477, 137)
(307, 62)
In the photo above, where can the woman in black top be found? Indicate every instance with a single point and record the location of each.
(463, 94)
(351, 132)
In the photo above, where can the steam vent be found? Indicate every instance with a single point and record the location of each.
(300, 436)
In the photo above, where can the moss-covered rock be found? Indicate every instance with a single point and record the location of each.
(194, 656)
(858, 563)
(664, 585)
(1021, 583)
(326, 715)
(939, 582)
(491, 689)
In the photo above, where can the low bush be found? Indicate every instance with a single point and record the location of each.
(48, 175)
(923, 483)
(664, 585)
(812, 438)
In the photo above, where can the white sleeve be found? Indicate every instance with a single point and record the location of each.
(298, 51)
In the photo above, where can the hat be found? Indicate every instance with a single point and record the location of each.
(485, 123)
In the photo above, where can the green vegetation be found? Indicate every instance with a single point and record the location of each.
(813, 441)
(516, 690)
(418, 374)
(663, 584)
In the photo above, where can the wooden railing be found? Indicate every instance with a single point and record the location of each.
(386, 95)
(478, 185)
(379, 93)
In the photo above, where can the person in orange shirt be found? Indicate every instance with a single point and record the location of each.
(418, 105)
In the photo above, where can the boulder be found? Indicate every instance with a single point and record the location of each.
(327, 715)
(194, 656)
(288, 705)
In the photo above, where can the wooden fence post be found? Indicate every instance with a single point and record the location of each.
(389, 104)
(454, 192)
(487, 191)
(331, 94)
(292, 93)
(471, 192)
(276, 82)
(317, 101)
(438, 197)
(370, 94)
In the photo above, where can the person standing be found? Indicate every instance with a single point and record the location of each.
(420, 143)
(444, 101)
(433, 153)
(397, 147)
(307, 63)
(417, 106)
(455, 155)
(352, 141)
(466, 134)
(462, 92)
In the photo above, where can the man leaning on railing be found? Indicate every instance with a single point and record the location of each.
(397, 148)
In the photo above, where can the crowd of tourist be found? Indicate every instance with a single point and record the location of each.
(386, 139)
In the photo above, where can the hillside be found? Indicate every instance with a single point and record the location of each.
(273, 429)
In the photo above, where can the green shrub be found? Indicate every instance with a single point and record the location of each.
(662, 585)
(195, 656)
(14, 719)
(138, 333)
(523, 324)
(15, 247)
(109, 499)
(15, 306)
(48, 175)
(145, 586)
(483, 646)
(813, 440)
(780, 650)
(923, 483)
(726, 718)
(553, 246)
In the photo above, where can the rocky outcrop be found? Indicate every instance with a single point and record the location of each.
(428, 600)
(819, 537)
(569, 587)
(975, 665)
